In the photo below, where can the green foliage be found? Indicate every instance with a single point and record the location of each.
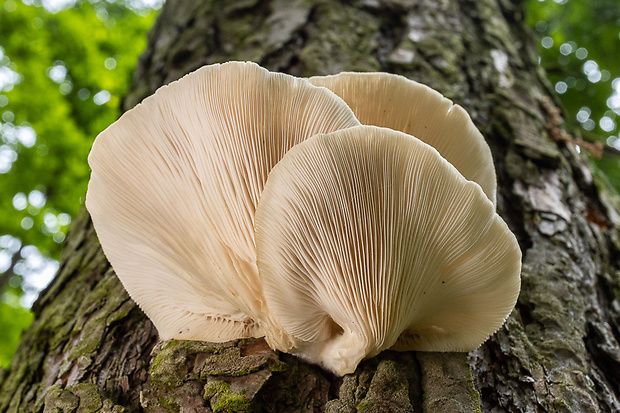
(579, 49)
(61, 79)
(13, 321)
(41, 47)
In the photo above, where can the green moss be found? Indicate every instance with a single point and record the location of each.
(229, 363)
(278, 366)
(121, 313)
(351, 47)
(214, 387)
(87, 343)
(80, 398)
(89, 397)
(474, 394)
(109, 407)
(168, 367)
(168, 403)
(158, 360)
(58, 399)
(223, 399)
(387, 388)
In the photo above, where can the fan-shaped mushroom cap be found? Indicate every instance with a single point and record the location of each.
(175, 184)
(367, 238)
(395, 102)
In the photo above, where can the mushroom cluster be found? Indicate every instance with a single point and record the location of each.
(335, 216)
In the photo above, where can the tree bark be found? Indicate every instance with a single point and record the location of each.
(91, 349)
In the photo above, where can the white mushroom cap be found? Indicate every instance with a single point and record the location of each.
(367, 238)
(175, 184)
(395, 102)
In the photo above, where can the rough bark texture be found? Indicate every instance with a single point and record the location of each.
(91, 349)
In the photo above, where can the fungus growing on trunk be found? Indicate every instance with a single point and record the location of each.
(368, 239)
(174, 185)
(238, 203)
(395, 102)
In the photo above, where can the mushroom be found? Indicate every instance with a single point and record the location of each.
(174, 187)
(238, 203)
(395, 102)
(368, 239)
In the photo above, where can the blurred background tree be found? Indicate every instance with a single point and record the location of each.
(64, 64)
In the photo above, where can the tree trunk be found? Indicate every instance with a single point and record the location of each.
(91, 348)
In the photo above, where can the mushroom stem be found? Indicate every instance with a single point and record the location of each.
(339, 354)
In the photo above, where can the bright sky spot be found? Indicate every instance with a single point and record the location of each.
(110, 63)
(101, 97)
(547, 42)
(594, 77)
(561, 87)
(583, 114)
(588, 125)
(64, 219)
(65, 87)
(27, 136)
(566, 49)
(7, 157)
(591, 70)
(9, 243)
(144, 4)
(20, 201)
(581, 53)
(57, 73)
(613, 103)
(50, 221)
(36, 198)
(589, 67)
(37, 271)
(8, 116)
(8, 78)
(5, 261)
(54, 6)
(27, 223)
(607, 124)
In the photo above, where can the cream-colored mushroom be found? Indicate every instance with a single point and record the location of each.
(174, 187)
(395, 102)
(368, 239)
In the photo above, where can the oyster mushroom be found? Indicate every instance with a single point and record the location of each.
(174, 186)
(368, 239)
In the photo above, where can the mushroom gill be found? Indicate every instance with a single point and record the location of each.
(395, 102)
(174, 185)
(372, 230)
